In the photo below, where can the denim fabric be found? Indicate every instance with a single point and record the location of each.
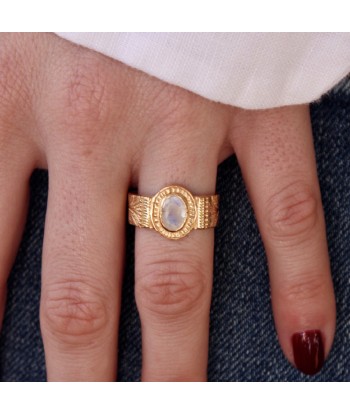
(243, 342)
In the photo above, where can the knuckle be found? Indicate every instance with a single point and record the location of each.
(303, 290)
(13, 86)
(292, 212)
(8, 71)
(172, 108)
(17, 88)
(85, 101)
(73, 310)
(175, 105)
(83, 112)
(82, 109)
(171, 287)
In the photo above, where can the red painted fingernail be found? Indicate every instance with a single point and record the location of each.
(308, 351)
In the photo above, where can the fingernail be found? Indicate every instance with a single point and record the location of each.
(308, 351)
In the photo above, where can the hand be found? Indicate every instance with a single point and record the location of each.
(101, 127)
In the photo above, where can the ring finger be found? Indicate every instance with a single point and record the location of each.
(173, 280)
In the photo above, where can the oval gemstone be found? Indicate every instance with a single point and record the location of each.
(174, 213)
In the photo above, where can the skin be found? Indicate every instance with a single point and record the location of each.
(100, 127)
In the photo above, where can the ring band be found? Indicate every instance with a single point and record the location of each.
(173, 211)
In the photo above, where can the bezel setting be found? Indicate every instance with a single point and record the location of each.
(156, 211)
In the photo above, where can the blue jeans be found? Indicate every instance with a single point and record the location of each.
(243, 341)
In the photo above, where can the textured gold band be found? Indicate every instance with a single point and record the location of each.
(146, 212)
(140, 209)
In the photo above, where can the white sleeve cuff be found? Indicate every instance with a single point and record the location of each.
(248, 70)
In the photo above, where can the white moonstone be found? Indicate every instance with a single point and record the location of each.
(174, 213)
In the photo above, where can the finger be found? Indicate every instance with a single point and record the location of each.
(82, 269)
(14, 184)
(174, 278)
(277, 158)
(17, 159)
(13, 209)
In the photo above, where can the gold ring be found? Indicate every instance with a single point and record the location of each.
(173, 211)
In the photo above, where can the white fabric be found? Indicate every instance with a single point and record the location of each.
(248, 70)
